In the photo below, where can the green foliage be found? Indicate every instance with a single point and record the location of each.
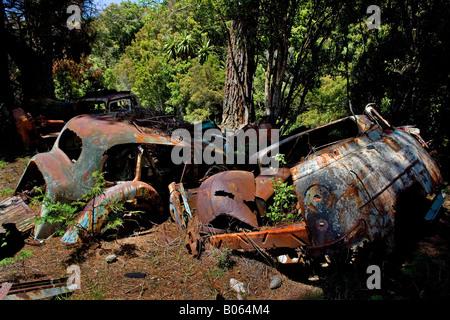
(114, 219)
(56, 212)
(98, 187)
(156, 63)
(6, 192)
(73, 80)
(223, 258)
(281, 209)
(324, 104)
(21, 256)
(3, 164)
(197, 115)
(284, 197)
(37, 37)
(198, 93)
(3, 238)
(116, 29)
(64, 214)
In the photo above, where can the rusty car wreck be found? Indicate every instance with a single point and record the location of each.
(134, 160)
(348, 177)
(42, 120)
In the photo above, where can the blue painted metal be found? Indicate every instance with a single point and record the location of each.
(37, 290)
(94, 214)
(435, 207)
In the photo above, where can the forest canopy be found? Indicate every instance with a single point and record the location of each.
(293, 62)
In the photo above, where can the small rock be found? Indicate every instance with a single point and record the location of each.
(275, 282)
(314, 278)
(111, 258)
(237, 285)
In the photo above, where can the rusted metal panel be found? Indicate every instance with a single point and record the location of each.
(264, 189)
(104, 131)
(180, 208)
(364, 124)
(361, 179)
(292, 236)
(15, 210)
(229, 193)
(37, 290)
(95, 212)
(4, 289)
(435, 207)
(25, 127)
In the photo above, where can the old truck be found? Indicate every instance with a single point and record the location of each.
(350, 177)
(39, 122)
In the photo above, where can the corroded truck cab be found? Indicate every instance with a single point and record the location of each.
(348, 192)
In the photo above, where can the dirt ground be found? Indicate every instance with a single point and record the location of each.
(167, 272)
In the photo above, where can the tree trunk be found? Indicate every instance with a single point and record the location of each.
(281, 18)
(6, 94)
(238, 106)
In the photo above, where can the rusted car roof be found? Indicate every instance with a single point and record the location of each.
(86, 104)
(98, 134)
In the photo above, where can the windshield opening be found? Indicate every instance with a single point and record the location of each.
(70, 143)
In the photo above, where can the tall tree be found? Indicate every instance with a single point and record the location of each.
(296, 32)
(6, 94)
(238, 106)
(289, 37)
(37, 33)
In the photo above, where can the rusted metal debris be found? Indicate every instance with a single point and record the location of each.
(348, 177)
(15, 211)
(94, 214)
(4, 289)
(227, 194)
(132, 158)
(37, 290)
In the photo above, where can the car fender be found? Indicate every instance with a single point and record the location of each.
(96, 210)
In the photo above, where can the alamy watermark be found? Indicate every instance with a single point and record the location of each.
(74, 279)
(374, 280)
(374, 21)
(251, 146)
(74, 21)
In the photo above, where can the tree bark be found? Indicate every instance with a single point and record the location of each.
(284, 75)
(6, 95)
(280, 20)
(238, 107)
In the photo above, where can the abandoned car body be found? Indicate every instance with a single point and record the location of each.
(131, 158)
(348, 177)
(42, 120)
(110, 102)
